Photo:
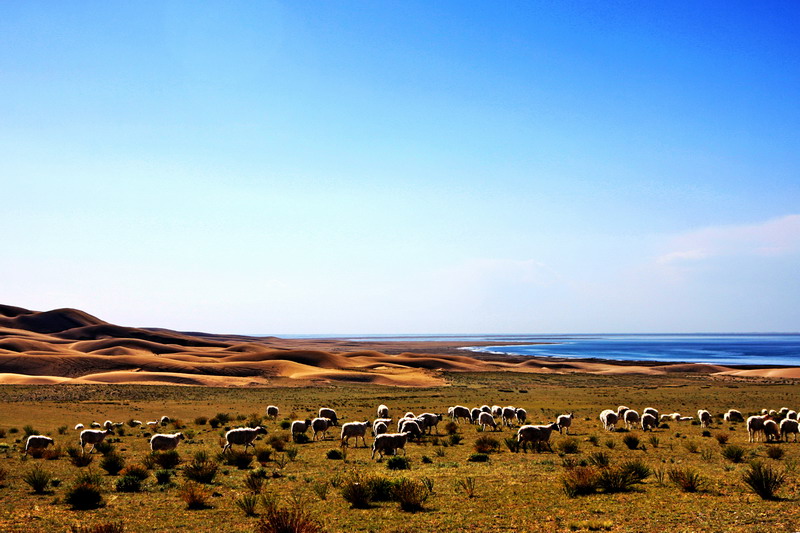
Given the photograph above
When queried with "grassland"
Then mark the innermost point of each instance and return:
(513, 491)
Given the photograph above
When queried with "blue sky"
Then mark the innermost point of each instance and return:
(376, 167)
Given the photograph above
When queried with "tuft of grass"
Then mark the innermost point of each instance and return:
(486, 444)
(320, 488)
(201, 421)
(451, 428)
(167, 459)
(163, 476)
(136, 470)
(631, 441)
(763, 479)
(568, 445)
(38, 479)
(85, 493)
(455, 440)
(611, 444)
(733, 453)
(691, 446)
(129, 483)
(285, 424)
(106, 527)
(580, 481)
(478, 458)
(254, 482)
(512, 444)
(398, 463)
(637, 470)
(238, 458)
(356, 492)
(687, 479)
(29, 430)
(594, 440)
(335, 455)
(248, 504)
(282, 519)
(775, 452)
(654, 441)
(600, 459)
(278, 442)
(194, 495)
(467, 485)
(722, 438)
(112, 463)
(410, 494)
(77, 458)
(201, 471)
(263, 455)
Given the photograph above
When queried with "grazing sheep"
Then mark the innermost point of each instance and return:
(428, 421)
(621, 412)
(782, 411)
(733, 416)
(383, 411)
(409, 415)
(389, 443)
(474, 413)
(95, 425)
(161, 442)
(300, 427)
(773, 413)
(486, 419)
(486, 409)
(108, 424)
(384, 421)
(136, 423)
(704, 417)
(153, 424)
(521, 415)
(410, 426)
(675, 416)
(93, 437)
(37, 442)
(792, 415)
(497, 411)
(320, 426)
(354, 429)
(685, 419)
(771, 430)
(650, 411)
(164, 420)
(78, 426)
(764, 412)
(272, 411)
(379, 428)
(789, 426)
(631, 418)
(648, 421)
(330, 414)
(459, 411)
(564, 422)
(755, 425)
(242, 436)
(609, 419)
(533, 434)
(508, 415)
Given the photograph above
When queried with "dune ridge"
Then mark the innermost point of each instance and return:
(72, 346)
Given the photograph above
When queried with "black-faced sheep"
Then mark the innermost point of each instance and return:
(161, 442)
(242, 436)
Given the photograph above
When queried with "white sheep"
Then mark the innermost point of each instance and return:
(648, 421)
(508, 415)
(428, 421)
(631, 418)
(300, 426)
(773, 413)
(93, 437)
(108, 424)
(242, 436)
(389, 443)
(486, 409)
(755, 425)
(650, 411)
(164, 420)
(771, 430)
(379, 428)
(272, 411)
(534, 434)
(474, 413)
(383, 411)
(521, 415)
(95, 425)
(497, 411)
(486, 419)
(792, 415)
(686, 419)
(789, 426)
(354, 429)
(78, 426)
(37, 442)
(136, 423)
(161, 442)
(330, 414)
(152, 424)
(675, 416)
(320, 426)
(621, 412)
(384, 421)
(564, 422)
(732, 415)
(609, 419)
(782, 411)
(411, 426)
(459, 411)
(704, 417)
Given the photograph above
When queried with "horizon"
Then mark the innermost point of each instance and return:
(379, 167)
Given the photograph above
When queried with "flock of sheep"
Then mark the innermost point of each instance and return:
(769, 425)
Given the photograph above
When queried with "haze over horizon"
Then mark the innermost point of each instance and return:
(290, 168)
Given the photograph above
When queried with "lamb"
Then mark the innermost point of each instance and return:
(389, 443)
(789, 425)
(37, 442)
(241, 436)
(428, 421)
(78, 426)
(521, 416)
(508, 415)
(93, 437)
(564, 422)
(497, 411)
(459, 411)
(771, 430)
(383, 411)
(755, 425)
(330, 414)
(648, 421)
(320, 425)
(631, 418)
(609, 419)
(272, 411)
(704, 417)
(534, 434)
(486, 419)
(733, 416)
(300, 427)
(651, 411)
(354, 429)
(379, 428)
(164, 420)
(161, 442)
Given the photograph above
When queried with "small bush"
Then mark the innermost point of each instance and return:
(568, 445)
(201, 471)
(580, 481)
(263, 455)
(294, 518)
(439, 451)
(356, 493)
(733, 453)
(107, 527)
(320, 489)
(691, 446)
(486, 444)
(129, 483)
(285, 424)
(301, 438)
(29, 430)
(194, 495)
(478, 458)
(85, 492)
(112, 463)
(467, 485)
(62, 430)
(637, 470)
(254, 482)
(611, 444)
(38, 479)
(247, 504)
(77, 458)
(706, 433)
(163, 476)
(763, 479)
(512, 444)
(410, 494)
(278, 442)
(335, 455)
(599, 459)
(775, 452)
(454, 439)
(617, 479)
(238, 458)
(398, 463)
(593, 439)
(201, 421)
(722, 438)
(654, 441)
(451, 428)
(136, 470)
(631, 441)
(291, 452)
(167, 459)
(104, 447)
(426, 460)
(686, 479)
(380, 488)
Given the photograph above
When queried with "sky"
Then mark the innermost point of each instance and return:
(403, 167)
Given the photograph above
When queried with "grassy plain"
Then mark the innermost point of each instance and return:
(514, 491)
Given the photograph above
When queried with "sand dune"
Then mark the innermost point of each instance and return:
(70, 346)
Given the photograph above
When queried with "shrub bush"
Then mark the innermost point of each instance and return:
(410, 494)
(163, 476)
(733, 453)
(201, 421)
(398, 463)
(568, 445)
(451, 428)
(247, 504)
(136, 470)
(580, 481)
(238, 458)
(691, 446)
(201, 471)
(512, 444)
(106, 527)
(454, 439)
(775, 452)
(194, 495)
(467, 485)
(254, 482)
(478, 458)
(278, 442)
(722, 438)
(301, 438)
(112, 463)
(280, 519)
(285, 424)
(263, 455)
(104, 447)
(763, 479)
(129, 483)
(85, 492)
(356, 493)
(631, 441)
(686, 479)
(38, 479)
(486, 444)
(600, 459)
(335, 455)
(78, 458)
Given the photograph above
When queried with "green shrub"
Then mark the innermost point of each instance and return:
(62, 430)
(733, 453)
(468, 485)
(775, 452)
(104, 447)
(636, 469)
(722, 438)
(486, 444)
(167, 459)
(611, 444)
(285, 424)
(129, 483)
(263, 455)
(631, 441)
(301, 438)
(201, 421)
(763, 479)
(78, 458)
(568, 445)
(201, 471)
(380, 488)
(600, 459)
(398, 463)
(136, 470)
(29, 430)
(580, 481)
(654, 441)
(163, 476)
(686, 479)
(38, 479)
(293, 518)
(594, 439)
(410, 494)
(85, 492)
(451, 428)
(254, 482)
(112, 463)
(238, 458)
(320, 488)
(454, 439)
(356, 493)
(247, 504)
(277, 442)
(478, 458)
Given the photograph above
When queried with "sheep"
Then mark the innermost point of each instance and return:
(410, 426)
(651, 411)
(164, 420)
(782, 411)
(486, 419)
(621, 412)
(165, 441)
(508, 415)
(521, 415)
(241, 436)
(409, 415)
(78, 426)
(534, 434)
(389, 443)
(37, 442)
(792, 415)
(459, 411)
(733, 416)
(564, 422)
(773, 413)
(95, 425)
(497, 411)
(330, 414)
(272, 411)
(135, 423)
(93, 437)
(152, 424)
(384, 421)
(486, 409)
(771, 430)
(755, 425)
(609, 419)
(300, 427)
(789, 425)
(704, 417)
(474, 413)
(108, 424)
(383, 411)
(354, 429)
(685, 419)
(648, 421)
(674, 416)
(379, 428)
(320, 425)
(631, 418)
(429, 420)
